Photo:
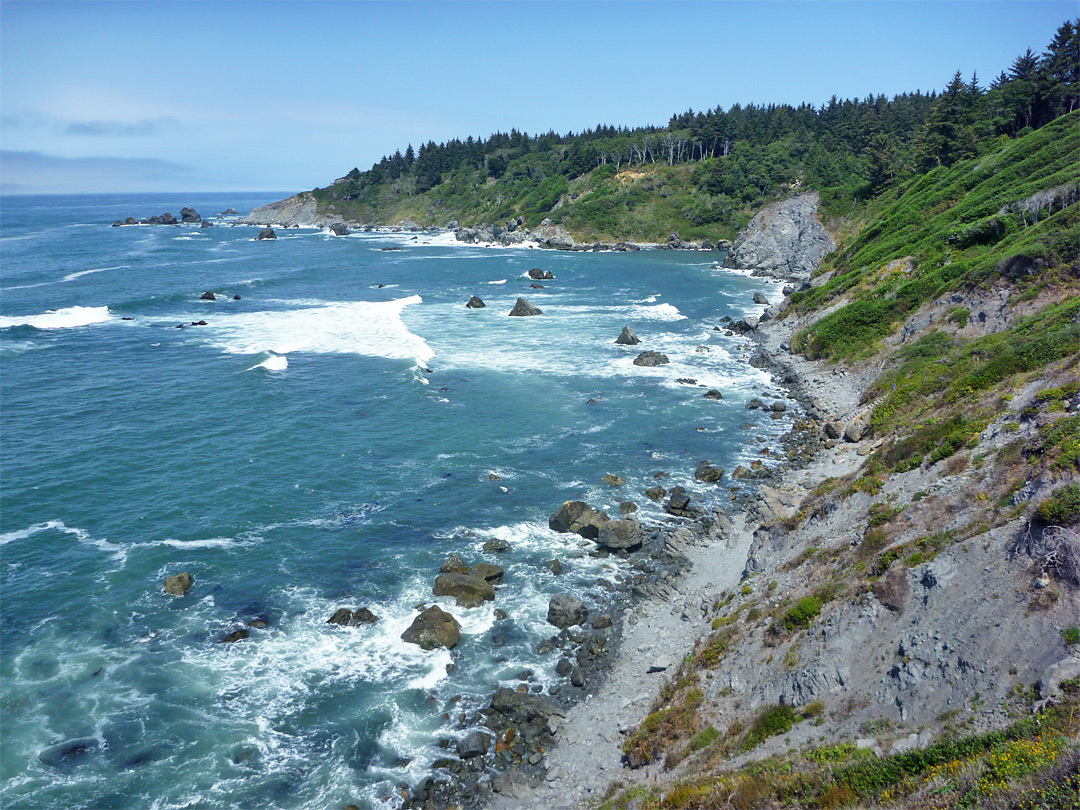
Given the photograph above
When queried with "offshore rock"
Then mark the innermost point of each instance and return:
(179, 584)
(524, 307)
(468, 590)
(266, 233)
(189, 215)
(784, 239)
(650, 359)
(708, 473)
(475, 303)
(352, 618)
(339, 229)
(206, 224)
(627, 337)
(578, 517)
(433, 628)
(536, 274)
(208, 296)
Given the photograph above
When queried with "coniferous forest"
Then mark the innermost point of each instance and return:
(706, 172)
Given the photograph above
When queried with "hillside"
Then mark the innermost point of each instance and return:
(913, 596)
(705, 173)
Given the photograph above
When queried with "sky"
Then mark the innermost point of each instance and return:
(286, 96)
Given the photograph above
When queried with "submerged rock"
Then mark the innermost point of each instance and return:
(234, 636)
(433, 628)
(712, 393)
(524, 307)
(627, 337)
(208, 296)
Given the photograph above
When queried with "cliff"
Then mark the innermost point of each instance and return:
(784, 239)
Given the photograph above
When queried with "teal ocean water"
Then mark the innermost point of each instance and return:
(325, 441)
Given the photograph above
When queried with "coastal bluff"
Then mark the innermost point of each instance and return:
(299, 210)
(784, 239)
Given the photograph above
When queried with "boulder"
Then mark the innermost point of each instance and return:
(473, 745)
(189, 215)
(554, 566)
(467, 590)
(234, 636)
(162, 219)
(656, 493)
(339, 229)
(524, 307)
(206, 224)
(577, 678)
(433, 628)
(117, 224)
(1066, 669)
(784, 238)
(352, 618)
(741, 471)
(536, 274)
(613, 480)
(496, 546)
(475, 303)
(179, 584)
(627, 337)
(712, 393)
(601, 622)
(454, 565)
(523, 709)
(566, 611)
(678, 504)
(207, 296)
(769, 314)
(617, 535)
(778, 406)
(514, 784)
(858, 428)
(489, 572)
(759, 298)
(578, 517)
(834, 430)
(627, 507)
(708, 473)
(755, 404)
(535, 286)
(266, 233)
(236, 298)
(651, 359)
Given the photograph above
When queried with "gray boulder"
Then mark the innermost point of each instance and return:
(858, 428)
(566, 611)
(617, 535)
(206, 224)
(524, 307)
(759, 298)
(488, 572)
(476, 303)
(189, 215)
(454, 565)
(179, 584)
(266, 233)
(496, 546)
(536, 274)
(339, 229)
(712, 393)
(651, 359)
(352, 618)
(523, 709)
(627, 337)
(467, 590)
(473, 745)
(834, 430)
(433, 628)
(578, 517)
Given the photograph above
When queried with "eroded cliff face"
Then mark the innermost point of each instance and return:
(785, 239)
(298, 210)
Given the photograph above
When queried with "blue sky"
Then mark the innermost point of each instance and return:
(234, 96)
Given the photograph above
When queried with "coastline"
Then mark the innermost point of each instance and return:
(664, 628)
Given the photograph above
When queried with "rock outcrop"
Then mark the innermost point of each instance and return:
(651, 359)
(627, 337)
(178, 585)
(433, 628)
(784, 239)
(524, 308)
(189, 215)
(300, 210)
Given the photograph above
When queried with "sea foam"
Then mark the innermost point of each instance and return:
(370, 329)
(65, 318)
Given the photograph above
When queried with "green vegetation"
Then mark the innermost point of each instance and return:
(802, 614)
(1071, 635)
(706, 172)
(1032, 764)
(1062, 508)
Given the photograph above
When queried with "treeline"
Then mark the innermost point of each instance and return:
(847, 148)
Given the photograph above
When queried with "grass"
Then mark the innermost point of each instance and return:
(1062, 508)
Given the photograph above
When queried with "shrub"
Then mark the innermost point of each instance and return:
(1071, 635)
(704, 738)
(1062, 508)
(769, 722)
(802, 613)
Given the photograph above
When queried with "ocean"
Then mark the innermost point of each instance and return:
(325, 440)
